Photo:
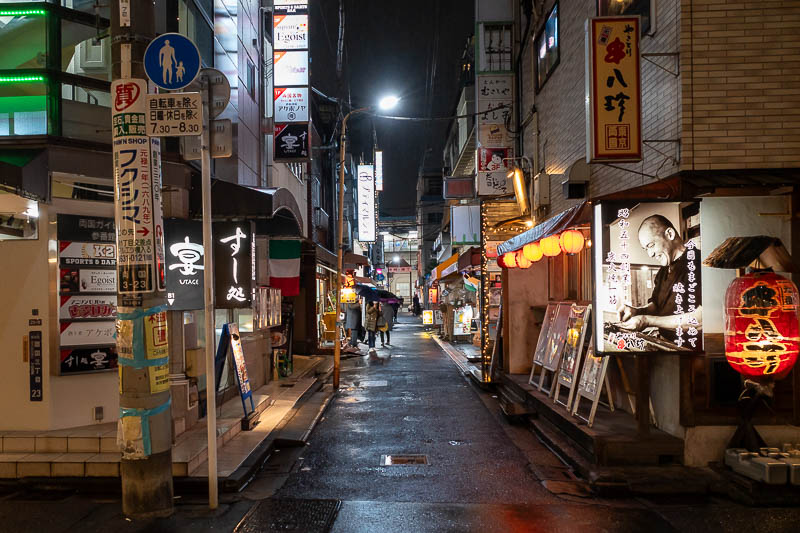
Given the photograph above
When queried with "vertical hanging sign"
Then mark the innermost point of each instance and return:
(133, 188)
(233, 264)
(379, 170)
(613, 90)
(366, 204)
(291, 96)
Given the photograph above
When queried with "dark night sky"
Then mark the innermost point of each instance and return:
(389, 48)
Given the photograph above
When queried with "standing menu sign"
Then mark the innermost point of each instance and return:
(230, 338)
(87, 299)
(647, 277)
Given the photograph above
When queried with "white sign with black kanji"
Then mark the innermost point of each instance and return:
(174, 114)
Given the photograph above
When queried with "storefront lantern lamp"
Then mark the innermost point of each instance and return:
(571, 241)
(762, 334)
(532, 252)
(551, 246)
(522, 261)
(508, 260)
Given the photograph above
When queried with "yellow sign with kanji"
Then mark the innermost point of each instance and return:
(614, 99)
(155, 335)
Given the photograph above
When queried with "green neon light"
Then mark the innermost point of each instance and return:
(22, 12)
(17, 79)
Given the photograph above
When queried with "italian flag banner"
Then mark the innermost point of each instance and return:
(284, 266)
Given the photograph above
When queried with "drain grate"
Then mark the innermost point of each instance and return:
(287, 515)
(408, 459)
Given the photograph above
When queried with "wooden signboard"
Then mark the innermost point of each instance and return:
(556, 338)
(538, 354)
(569, 370)
(590, 386)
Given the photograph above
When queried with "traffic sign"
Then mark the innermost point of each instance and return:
(221, 142)
(174, 114)
(172, 61)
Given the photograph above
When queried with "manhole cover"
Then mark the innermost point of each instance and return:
(282, 515)
(413, 459)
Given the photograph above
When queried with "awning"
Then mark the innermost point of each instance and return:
(355, 259)
(470, 258)
(578, 214)
(364, 281)
(274, 210)
(689, 184)
(446, 267)
(325, 256)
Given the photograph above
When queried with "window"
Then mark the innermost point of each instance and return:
(644, 8)
(24, 41)
(23, 106)
(82, 53)
(546, 47)
(435, 218)
(496, 47)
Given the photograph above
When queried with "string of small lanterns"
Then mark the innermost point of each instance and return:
(569, 242)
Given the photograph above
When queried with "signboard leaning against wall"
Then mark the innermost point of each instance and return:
(647, 277)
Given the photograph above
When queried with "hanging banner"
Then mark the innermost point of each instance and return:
(492, 183)
(647, 278)
(613, 90)
(367, 221)
(133, 187)
(291, 104)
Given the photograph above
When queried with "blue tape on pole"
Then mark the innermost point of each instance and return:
(140, 359)
(145, 415)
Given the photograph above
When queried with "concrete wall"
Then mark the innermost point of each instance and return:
(527, 288)
(704, 444)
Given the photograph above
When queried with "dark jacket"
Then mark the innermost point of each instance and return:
(372, 318)
(353, 316)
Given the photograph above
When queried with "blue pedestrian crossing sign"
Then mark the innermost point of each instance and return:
(172, 61)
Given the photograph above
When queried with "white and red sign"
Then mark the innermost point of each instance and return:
(290, 32)
(83, 307)
(87, 333)
(291, 104)
(133, 187)
(72, 254)
(92, 280)
(290, 67)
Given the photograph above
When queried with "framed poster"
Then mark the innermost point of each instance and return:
(590, 385)
(538, 353)
(557, 337)
(647, 277)
(577, 326)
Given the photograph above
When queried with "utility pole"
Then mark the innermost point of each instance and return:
(145, 415)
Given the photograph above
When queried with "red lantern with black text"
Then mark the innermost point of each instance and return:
(522, 261)
(551, 246)
(571, 241)
(762, 333)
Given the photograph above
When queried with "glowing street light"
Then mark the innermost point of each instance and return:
(388, 102)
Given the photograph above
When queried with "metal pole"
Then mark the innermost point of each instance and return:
(208, 301)
(337, 351)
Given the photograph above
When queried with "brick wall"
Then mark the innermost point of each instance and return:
(740, 64)
(562, 114)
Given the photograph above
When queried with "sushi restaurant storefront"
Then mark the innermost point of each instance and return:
(619, 332)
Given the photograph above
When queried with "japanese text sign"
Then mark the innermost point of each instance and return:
(233, 266)
(185, 264)
(613, 86)
(647, 278)
(291, 104)
(174, 114)
(366, 204)
(133, 181)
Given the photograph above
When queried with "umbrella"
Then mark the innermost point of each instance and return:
(368, 293)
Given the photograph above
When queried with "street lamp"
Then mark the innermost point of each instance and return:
(386, 103)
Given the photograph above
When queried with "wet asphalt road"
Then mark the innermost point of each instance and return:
(484, 475)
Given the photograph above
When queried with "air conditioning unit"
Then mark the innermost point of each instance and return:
(541, 190)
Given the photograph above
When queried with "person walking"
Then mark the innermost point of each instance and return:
(372, 323)
(417, 308)
(353, 322)
(386, 323)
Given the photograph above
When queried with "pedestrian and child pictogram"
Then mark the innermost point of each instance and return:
(172, 61)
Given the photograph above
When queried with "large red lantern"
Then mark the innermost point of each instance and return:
(762, 334)
(571, 241)
(522, 261)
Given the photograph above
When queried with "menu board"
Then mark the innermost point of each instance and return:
(592, 376)
(87, 260)
(538, 355)
(576, 333)
(556, 337)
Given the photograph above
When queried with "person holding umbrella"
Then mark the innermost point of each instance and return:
(372, 323)
(353, 322)
(386, 322)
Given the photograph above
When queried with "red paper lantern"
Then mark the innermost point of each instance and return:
(762, 334)
(551, 246)
(571, 241)
(532, 252)
(508, 260)
(522, 261)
